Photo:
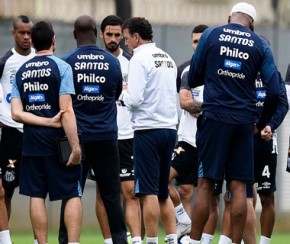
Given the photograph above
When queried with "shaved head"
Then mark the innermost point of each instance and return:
(85, 30)
(85, 23)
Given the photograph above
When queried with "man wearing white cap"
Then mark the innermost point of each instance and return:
(227, 61)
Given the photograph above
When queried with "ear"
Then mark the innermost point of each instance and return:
(252, 25)
(229, 19)
(102, 35)
(53, 43)
(75, 34)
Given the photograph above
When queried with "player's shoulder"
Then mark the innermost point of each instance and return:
(6, 56)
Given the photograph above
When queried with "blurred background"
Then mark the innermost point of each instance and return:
(173, 21)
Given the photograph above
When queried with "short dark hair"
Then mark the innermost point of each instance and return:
(111, 20)
(199, 29)
(23, 18)
(139, 25)
(41, 35)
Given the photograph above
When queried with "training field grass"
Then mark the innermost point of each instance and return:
(90, 236)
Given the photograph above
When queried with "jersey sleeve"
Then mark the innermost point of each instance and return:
(67, 84)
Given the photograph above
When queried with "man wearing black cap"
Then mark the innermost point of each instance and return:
(227, 61)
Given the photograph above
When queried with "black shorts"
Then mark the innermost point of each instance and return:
(10, 156)
(218, 187)
(265, 171)
(126, 159)
(185, 162)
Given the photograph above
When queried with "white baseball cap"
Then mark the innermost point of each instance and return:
(245, 8)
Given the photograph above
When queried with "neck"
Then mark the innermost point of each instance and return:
(116, 53)
(44, 52)
(23, 52)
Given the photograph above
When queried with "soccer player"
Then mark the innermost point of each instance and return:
(41, 100)
(98, 83)
(227, 61)
(12, 132)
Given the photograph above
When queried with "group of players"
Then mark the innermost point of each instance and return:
(111, 140)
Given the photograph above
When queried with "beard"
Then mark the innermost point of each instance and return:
(112, 46)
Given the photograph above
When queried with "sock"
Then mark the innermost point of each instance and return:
(181, 215)
(108, 241)
(136, 240)
(191, 241)
(206, 238)
(35, 241)
(224, 240)
(152, 240)
(265, 240)
(171, 239)
(5, 237)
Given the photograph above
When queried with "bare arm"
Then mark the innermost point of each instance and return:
(21, 116)
(188, 103)
(70, 127)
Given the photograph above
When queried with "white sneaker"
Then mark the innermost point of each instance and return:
(184, 239)
(182, 229)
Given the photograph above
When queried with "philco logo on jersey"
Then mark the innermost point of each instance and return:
(234, 52)
(260, 94)
(38, 97)
(91, 89)
(35, 86)
(232, 64)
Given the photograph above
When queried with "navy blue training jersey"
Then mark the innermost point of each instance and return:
(279, 114)
(282, 106)
(39, 83)
(227, 61)
(98, 84)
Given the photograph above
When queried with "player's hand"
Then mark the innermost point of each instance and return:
(195, 115)
(75, 157)
(266, 133)
(55, 121)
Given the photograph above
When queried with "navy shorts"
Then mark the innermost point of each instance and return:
(126, 159)
(265, 171)
(10, 156)
(184, 161)
(249, 190)
(42, 175)
(152, 150)
(225, 150)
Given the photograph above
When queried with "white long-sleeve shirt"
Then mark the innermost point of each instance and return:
(151, 93)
